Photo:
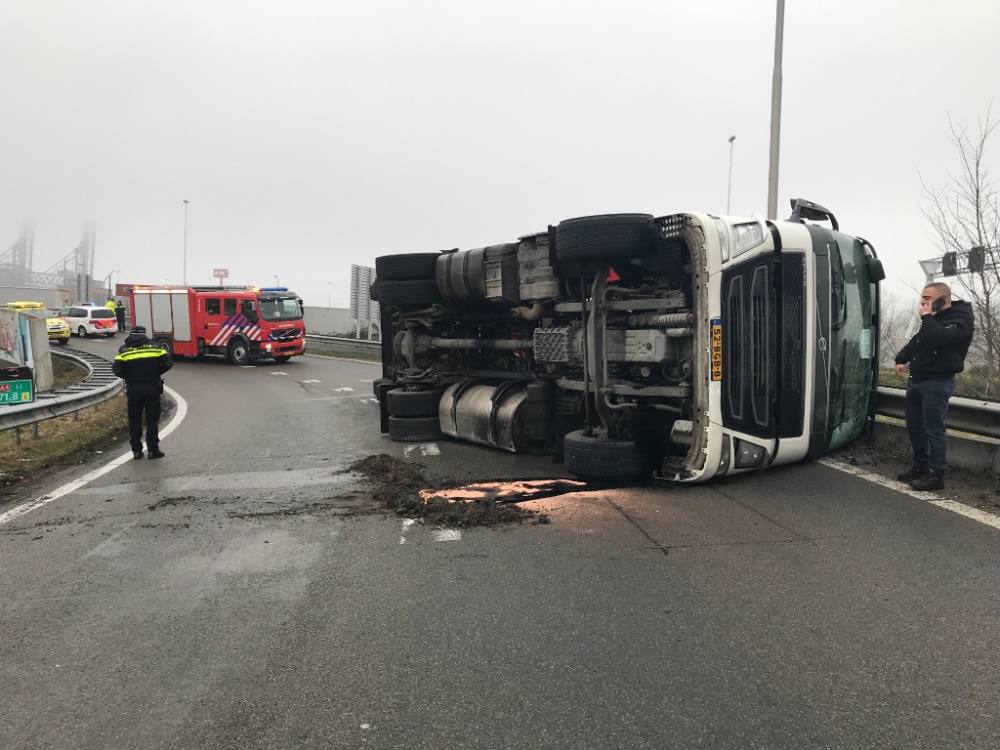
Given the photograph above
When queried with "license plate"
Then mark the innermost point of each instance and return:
(717, 349)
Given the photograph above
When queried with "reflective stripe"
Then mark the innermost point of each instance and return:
(140, 354)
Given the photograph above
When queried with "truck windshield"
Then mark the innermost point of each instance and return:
(279, 308)
(852, 374)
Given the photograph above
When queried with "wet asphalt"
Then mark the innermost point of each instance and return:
(242, 593)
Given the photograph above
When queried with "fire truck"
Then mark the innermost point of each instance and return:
(240, 323)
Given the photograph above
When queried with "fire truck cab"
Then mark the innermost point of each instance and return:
(242, 324)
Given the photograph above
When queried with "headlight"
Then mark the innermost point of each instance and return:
(748, 236)
(748, 455)
(723, 238)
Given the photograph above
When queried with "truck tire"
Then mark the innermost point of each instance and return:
(609, 237)
(414, 429)
(239, 352)
(414, 403)
(164, 343)
(406, 267)
(413, 293)
(599, 457)
(379, 381)
(373, 291)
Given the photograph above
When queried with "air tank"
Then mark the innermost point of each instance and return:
(501, 416)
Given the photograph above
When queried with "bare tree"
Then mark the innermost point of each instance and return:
(894, 321)
(965, 219)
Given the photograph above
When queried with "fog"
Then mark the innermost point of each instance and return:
(310, 136)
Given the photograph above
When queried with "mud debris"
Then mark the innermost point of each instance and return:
(170, 501)
(403, 487)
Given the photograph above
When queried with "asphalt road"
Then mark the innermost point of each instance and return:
(236, 595)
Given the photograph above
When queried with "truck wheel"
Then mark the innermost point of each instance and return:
(164, 343)
(239, 353)
(599, 457)
(281, 360)
(414, 429)
(609, 237)
(414, 403)
(378, 382)
(406, 267)
(413, 293)
(373, 291)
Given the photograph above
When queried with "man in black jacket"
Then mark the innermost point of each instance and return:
(935, 354)
(141, 363)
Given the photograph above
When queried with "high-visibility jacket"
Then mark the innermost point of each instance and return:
(110, 304)
(141, 364)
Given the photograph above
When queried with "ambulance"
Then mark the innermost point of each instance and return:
(240, 323)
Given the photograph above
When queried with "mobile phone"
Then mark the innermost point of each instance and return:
(937, 304)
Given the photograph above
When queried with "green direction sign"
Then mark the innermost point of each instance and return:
(16, 392)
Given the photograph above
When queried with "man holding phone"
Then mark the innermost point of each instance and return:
(935, 354)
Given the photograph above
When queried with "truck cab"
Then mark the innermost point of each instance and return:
(684, 346)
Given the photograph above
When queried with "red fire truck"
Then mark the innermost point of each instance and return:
(240, 323)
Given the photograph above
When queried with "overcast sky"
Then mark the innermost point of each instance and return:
(311, 135)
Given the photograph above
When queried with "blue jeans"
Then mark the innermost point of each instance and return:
(926, 407)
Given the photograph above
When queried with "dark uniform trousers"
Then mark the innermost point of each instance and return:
(144, 398)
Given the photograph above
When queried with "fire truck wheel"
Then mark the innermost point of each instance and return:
(414, 403)
(406, 267)
(414, 429)
(610, 237)
(281, 360)
(239, 353)
(599, 457)
(164, 343)
(413, 293)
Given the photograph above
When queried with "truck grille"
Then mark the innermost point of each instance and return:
(287, 335)
(760, 368)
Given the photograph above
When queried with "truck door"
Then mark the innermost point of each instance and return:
(212, 320)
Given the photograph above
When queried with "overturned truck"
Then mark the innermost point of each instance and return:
(684, 347)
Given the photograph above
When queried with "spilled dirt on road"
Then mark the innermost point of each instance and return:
(403, 487)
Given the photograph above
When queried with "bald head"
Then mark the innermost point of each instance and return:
(938, 289)
(931, 293)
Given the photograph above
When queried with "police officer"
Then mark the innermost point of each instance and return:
(120, 315)
(141, 363)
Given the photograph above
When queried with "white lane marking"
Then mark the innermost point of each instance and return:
(367, 381)
(407, 523)
(279, 373)
(447, 535)
(930, 497)
(76, 484)
(369, 400)
(310, 381)
(343, 390)
(426, 449)
(363, 726)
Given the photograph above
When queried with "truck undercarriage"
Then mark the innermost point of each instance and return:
(587, 342)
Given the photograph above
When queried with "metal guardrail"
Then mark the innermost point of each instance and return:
(339, 345)
(100, 385)
(964, 414)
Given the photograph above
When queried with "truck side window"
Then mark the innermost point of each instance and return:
(229, 307)
(212, 306)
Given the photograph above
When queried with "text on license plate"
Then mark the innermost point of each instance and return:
(716, 348)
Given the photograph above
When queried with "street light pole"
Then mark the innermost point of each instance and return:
(772, 172)
(185, 277)
(276, 282)
(729, 191)
(329, 293)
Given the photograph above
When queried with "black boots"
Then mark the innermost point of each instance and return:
(156, 454)
(913, 473)
(932, 480)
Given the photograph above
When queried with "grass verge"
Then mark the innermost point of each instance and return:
(62, 442)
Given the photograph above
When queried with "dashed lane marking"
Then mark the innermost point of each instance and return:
(310, 381)
(407, 523)
(279, 373)
(426, 449)
(76, 484)
(369, 400)
(447, 535)
(930, 497)
(343, 390)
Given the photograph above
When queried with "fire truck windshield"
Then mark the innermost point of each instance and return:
(279, 308)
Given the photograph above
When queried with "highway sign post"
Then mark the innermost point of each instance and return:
(220, 273)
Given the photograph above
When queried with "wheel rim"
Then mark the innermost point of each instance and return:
(239, 353)
(81, 331)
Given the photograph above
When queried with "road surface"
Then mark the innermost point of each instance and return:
(237, 595)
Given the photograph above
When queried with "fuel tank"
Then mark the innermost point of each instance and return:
(508, 416)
